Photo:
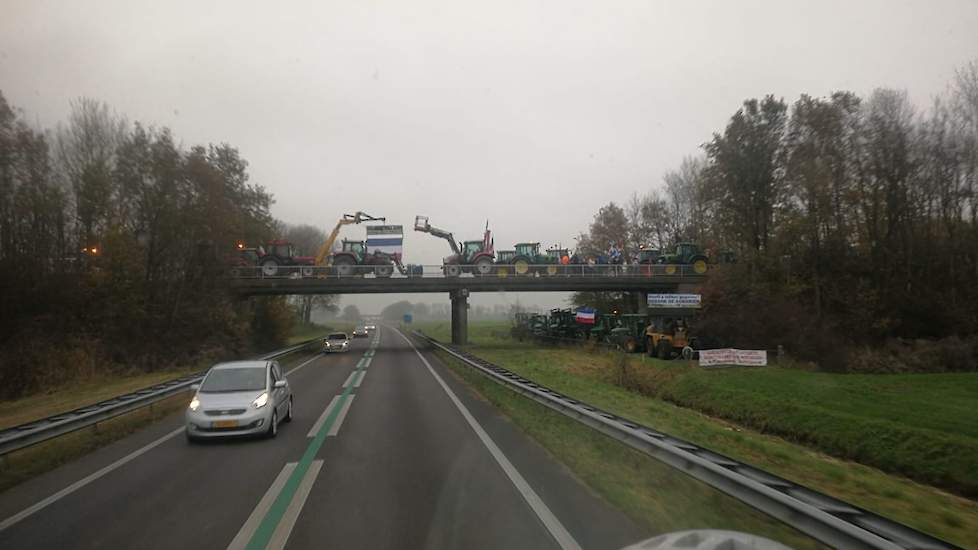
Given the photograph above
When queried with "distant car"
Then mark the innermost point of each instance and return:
(239, 398)
(338, 341)
(371, 328)
(360, 332)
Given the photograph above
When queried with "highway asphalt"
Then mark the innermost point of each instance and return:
(388, 449)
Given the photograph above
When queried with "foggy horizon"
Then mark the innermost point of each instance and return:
(530, 117)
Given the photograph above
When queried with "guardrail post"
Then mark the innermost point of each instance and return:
(460, 316)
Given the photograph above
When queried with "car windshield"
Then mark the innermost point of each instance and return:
(337, 336)
(234, 379)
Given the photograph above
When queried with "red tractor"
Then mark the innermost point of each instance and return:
(280, 259)
(472, 257)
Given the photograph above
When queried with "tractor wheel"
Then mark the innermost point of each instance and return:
(664, 349)
(551, 270)
(649, 347)
(270, 267)
(687, 353)
(699, 266)
(671, 269)
(630, 345)
(452, 270)
(521, 266)
(483, 266)
(306, 271)
(345, 266)
(384, 271)
(502, 271)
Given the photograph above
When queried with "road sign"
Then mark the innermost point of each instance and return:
(407, 317)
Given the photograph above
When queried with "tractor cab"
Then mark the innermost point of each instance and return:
(357, 248)
(649, 255)
(281, 248)
(470, 249)
(556, 255)
(530, 250)
(686, 251)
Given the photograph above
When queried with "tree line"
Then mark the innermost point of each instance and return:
(855, 220)
(113, 239)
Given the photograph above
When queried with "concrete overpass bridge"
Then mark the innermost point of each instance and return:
(304, 280)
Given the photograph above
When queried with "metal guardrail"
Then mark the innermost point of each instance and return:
(31, 433)
(643, 271)
(828, 520)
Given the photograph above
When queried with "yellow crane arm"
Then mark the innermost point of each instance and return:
(347, 219)
(328, 244)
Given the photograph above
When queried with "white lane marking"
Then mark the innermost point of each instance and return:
(322, 417)
(285, 525)
(303, 364)
(258, 514)
(335, 428)
(44, 503)
(86, 480)
(349, 379)
(549, 520)
(363, 373)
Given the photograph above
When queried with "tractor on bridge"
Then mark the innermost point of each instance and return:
(475, 256)
(528, 260)
(356, 253)
(355, 258)
(280, 259)
(686, 254)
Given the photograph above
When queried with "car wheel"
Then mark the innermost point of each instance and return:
(288, 415)
(273, 427)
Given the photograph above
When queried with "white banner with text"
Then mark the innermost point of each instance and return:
(674, 300)
(730, 356)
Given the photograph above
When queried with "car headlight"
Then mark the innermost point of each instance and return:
(194, 403)
(261, 400)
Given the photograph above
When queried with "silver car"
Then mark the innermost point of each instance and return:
(338, 341)
(240, 398)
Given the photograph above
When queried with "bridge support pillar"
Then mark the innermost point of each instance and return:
(460, 316)
(641, 302)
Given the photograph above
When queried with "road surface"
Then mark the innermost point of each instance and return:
(388, 449)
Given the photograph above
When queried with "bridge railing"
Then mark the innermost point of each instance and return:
(644, 271)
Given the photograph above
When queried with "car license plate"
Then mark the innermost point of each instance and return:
(224, 424)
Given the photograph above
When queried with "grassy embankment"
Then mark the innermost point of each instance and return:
(858, 412)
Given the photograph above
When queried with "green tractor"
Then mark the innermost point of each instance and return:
(563, 324)
(629, 332)
(538, 325)
(529, 260)
(685, 254)
(600, 331)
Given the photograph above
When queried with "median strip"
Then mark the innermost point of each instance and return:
(281, 515)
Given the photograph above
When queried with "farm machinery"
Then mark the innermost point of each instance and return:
(380, 254)
(665, 337)
(474, 256)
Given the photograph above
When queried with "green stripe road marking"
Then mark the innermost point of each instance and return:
(266, 529)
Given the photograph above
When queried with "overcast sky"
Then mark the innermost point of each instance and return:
(528, 114)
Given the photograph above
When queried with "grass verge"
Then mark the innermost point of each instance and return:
(591, 377)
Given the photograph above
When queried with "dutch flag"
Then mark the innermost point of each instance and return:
(585, 316)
